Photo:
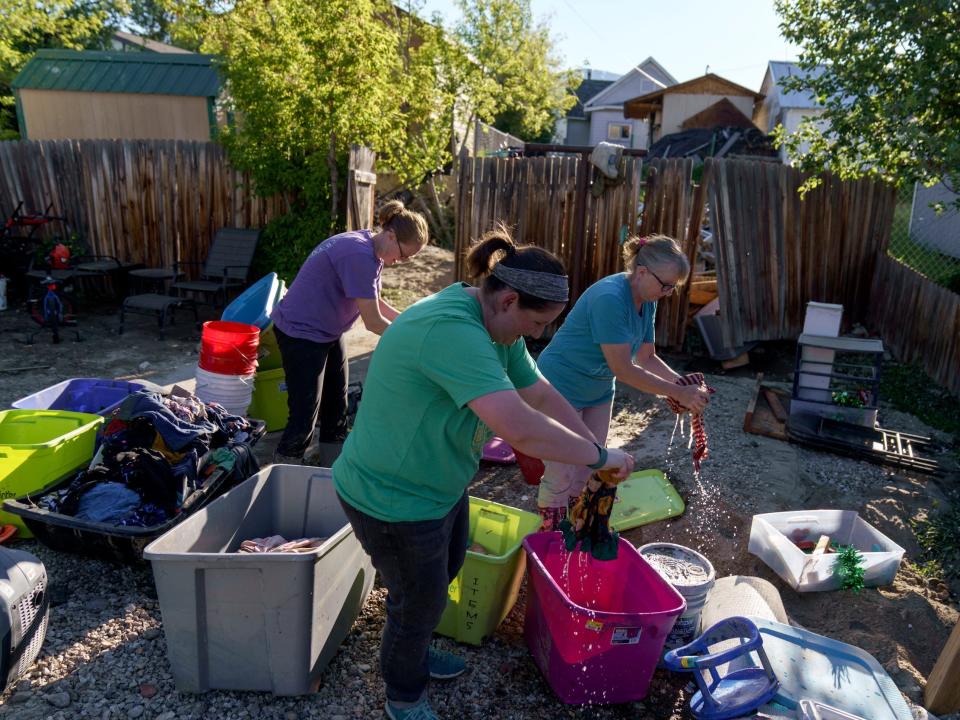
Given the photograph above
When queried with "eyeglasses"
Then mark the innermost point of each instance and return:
(664, 287)
(400, 248)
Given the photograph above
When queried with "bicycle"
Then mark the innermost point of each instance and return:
(52, 311)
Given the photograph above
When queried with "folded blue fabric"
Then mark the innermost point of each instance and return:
(108, 502)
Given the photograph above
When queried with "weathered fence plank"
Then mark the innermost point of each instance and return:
(142, 201)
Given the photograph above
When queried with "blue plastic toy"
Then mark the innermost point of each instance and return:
(736, 694)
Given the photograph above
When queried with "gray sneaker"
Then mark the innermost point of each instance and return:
(327, 453)
(279, 459)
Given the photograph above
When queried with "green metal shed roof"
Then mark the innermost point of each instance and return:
(120, 72)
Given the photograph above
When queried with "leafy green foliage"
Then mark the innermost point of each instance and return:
(30, 25)
(512, 72)
(889, 88)
(287, 240)
(848, 567)
(910, 389)
(178, 22)
(939, 536)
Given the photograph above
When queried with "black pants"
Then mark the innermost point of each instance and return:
(417, 561)
(317, 376)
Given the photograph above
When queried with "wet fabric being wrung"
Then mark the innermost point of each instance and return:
(588, 522)
(698, 430)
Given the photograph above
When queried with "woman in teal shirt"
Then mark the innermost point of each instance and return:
(609, 336)
(447, 372)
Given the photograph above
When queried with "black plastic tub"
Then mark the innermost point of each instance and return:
(114, 543)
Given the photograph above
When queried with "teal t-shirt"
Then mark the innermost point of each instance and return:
(415, 445)
(604, 315)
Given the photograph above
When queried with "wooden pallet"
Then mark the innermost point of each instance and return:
(767, 411)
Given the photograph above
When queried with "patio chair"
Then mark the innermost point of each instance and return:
(226, 267)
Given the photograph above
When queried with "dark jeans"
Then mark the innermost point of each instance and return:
(317, 376)
(417, 562)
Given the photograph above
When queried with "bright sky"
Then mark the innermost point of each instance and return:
(736, 39)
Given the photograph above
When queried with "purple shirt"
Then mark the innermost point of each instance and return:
(321, 305)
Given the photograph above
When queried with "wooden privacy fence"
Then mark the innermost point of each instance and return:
(547, 201)
(673, 206)
(153, 202)
(361, 188)
(918, 320)
(776, 252)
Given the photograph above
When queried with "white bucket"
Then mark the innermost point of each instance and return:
(692, 575)
(234, 392)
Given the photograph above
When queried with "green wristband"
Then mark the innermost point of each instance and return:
(602, 460)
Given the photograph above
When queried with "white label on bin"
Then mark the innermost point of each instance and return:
(626, 636)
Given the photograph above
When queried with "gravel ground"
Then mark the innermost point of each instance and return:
(105, 654)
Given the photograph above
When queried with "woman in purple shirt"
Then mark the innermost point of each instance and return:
(339, 282)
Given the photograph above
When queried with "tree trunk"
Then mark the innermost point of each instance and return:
(440, 214)
(334, 181)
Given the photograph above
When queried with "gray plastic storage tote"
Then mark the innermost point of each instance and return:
(264, 621)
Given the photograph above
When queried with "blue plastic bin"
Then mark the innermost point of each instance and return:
(254, 306)
(86, 395)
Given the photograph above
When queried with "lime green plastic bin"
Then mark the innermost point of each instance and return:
(37, 448)
(268, 351)
(269, 401)
(486, 588)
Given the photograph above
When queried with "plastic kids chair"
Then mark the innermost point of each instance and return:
(736, 694)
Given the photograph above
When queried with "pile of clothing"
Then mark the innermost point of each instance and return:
(157, 455)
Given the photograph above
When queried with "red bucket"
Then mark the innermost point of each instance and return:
(229, 348)
(531, 467)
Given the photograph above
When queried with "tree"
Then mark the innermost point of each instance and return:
(29, 25)
(889, 86)
(178, 22)
(306, 80)
(510, 69)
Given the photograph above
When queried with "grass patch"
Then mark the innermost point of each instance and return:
(941, 269)
(910, 389)
(939, 536)
(400, 298)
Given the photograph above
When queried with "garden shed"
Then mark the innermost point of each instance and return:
(70, 94)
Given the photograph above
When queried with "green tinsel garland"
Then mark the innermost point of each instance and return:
(849, 567)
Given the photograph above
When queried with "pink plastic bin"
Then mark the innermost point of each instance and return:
(597, 630)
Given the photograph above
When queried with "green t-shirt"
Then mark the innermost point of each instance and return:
(416, 445)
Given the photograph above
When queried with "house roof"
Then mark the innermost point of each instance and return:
(120, 72)
(798, 99)
(638, 70)
(126, 38)
(584, 92)
(722, 113)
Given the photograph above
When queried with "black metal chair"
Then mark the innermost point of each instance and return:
(226, 267)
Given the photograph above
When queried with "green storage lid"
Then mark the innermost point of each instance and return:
(645, 497)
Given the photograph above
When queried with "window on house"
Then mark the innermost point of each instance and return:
(619, 131)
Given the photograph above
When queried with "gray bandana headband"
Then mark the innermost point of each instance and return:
(545, 286)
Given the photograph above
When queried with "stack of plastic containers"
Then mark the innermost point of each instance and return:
(255, 306)
(228, 362)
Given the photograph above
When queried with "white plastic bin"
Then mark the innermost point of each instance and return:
(266, 621)
(772, 538)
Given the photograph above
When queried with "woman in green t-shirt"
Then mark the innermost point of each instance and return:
(447, 372)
